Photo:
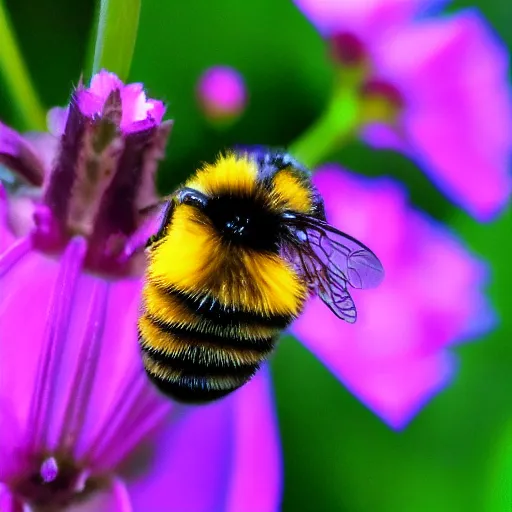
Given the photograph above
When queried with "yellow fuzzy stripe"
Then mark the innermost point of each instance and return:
(173, 375)
(166, 308)
(292, 192)
(171, 345)
(227, 174)
(193, 259)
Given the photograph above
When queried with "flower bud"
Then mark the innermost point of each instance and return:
(221, 94)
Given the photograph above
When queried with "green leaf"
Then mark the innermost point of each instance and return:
(282, 58)
(500, 488)
(115, 36)
(18, 84)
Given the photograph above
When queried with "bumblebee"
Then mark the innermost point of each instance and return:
(240, 248)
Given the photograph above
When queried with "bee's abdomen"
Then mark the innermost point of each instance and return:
(211, 310)
(204, 360)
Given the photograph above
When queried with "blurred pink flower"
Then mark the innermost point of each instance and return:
(397, 354)
(82, 427)
(454, 114)
(221, 93)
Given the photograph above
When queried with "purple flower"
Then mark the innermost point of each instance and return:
(82, 427)
(221, 93)
(397, 354)
(434, 88)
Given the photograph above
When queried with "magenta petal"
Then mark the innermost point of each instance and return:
(256, 482)
(19, 385)
(157, 110)
(365, 18)
(459, 128)
(135, 107)
(114, 498)
(120, 390)
(11, 459)
(18, 154)
(192, 465)
(220, 457)
(8, 502)
(221, 90)
(103, 83)
(6, 234)
(394, 386)
(138, 112)
(56, 120)
(383, 136)
(90, 104)
(397, 354)
(91, 100)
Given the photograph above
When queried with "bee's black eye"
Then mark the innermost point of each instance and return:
(191, 197)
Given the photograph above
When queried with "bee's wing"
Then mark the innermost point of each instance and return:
(329, 260)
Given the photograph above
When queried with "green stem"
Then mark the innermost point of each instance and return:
(115, 36)
(15, 74)
(336, 125)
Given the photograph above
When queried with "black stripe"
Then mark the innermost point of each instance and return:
(193, 363)
(187, 391)
(210, 309)
(192, 335)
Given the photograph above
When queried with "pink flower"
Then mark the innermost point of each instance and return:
(221, 93)
(397, 354)
(82, 427)
(450, 76)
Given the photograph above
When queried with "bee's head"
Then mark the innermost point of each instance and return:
(240, 220)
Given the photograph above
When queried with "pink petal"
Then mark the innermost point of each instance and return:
(221, 91)
(191, 463)
(11, 440)
(6, 234)
(56, 120)
(396, 356)
(46, 146)
(91, 100)
(256, 482)
(458, 127)
(90, 104)
(8, 502)
(138, 112)
(135, 107)
(20, 209)
(114, 498)
(383, 136)
(120, 391)
(156, 110)
(103, 83)
(395, 386)
(219, 457)
(18, 385)
(368, 18)
(18, 154)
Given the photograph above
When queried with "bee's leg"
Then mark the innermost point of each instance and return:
(169, 208)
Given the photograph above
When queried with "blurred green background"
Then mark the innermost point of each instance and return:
(457, 453)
